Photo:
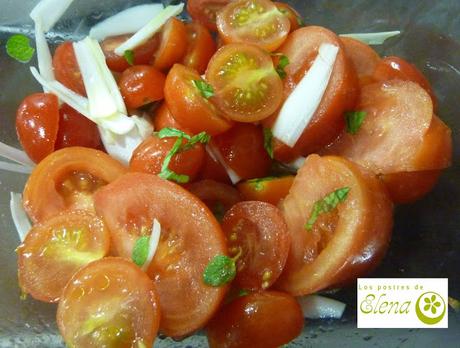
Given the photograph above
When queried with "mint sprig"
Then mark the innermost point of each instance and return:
(205, 88)
(129, 56)
(18, 47)
(354, 121)
(282, 64)
(140, 250)
(268, 141)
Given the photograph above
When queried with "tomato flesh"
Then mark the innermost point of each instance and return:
(201, 47)
(294, 17)
(205, 11)
(163, 118)
(66, 68)
(173, 45)
(270, 190)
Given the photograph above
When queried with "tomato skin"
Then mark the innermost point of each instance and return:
(204, 11)
(265, 319)
(270, 190)
(242, 148)
(213, 170)
(173, 45)
(294, 17)
(66, 68)
(201, 47)
(140, 85)
(163, 118)
(37, 122)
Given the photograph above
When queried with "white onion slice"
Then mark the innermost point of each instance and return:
(302, 103)
(18, 156)
(153, 244)
(125, 22)
(297, 163)
(48, 12)
(45, 61)
(320, 307)
(217, 156)
(20, 219)
(15, 168)
(148, 30)
(373, 38)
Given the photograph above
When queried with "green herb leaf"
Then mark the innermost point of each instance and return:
(167, 173)
(202, 138)
(259, 183)
(327, 204)
(300, 21)
(140, 250)
(268, 141)
(172, 132)
(219, 211)
(129, 56)
(205, 89)
(18, 47)
(220, 271)
(354, 120)
(282, 63)
(243, 292)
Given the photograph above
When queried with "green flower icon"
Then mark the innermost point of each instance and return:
(430, 308)
(431, 304)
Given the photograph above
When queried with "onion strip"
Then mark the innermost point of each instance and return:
(20, 219)
(15, 168)
(373, 38)
(18, 156)
(217, 156)
(153, 244)
(320, 307)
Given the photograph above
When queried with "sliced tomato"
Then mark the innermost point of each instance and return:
(200, 47)
(255, 22)
(66, 180)
(271, 190)
(257, 232)
(205, 11)
(173, 45)
(213, 170)
(246, 85)
(242, 148)
(294, 17)
(66, 68)
(188, 106)
(266, 319)
(109, 303)
(342, 244)
(163, 118)
(140, 85)
(54, 250)
(37, 122)
(190, 238)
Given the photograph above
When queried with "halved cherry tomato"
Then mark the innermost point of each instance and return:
(213, 170)
(200, 47)
(190, 238)
(294, 17)
(142, 54)
(109, 303)
(149, 156)
(258, 233)
(141, 85)
(266, 319)
(242, 148)
(246, 85)
(54, 250)
(173, 45)
(76, 130)
(256, 22)
(344, 243)
(271, 190)
(37, 122)
(66, 179)
(205, 11)
(163, 118)
(66, 68)
(188, 106)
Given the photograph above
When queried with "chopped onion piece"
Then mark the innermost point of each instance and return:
(302, 103)
(125, 22)
(297, 163)
(148, 30)
(373, 38)
(45, 61)
(15, 168)
(153, 244)
(216, 155)
(15, 155)
(20, 219)
(320, 307)
(48, 12)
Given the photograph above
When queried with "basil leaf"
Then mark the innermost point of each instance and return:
(205, 89)
(168, 174)
(354, 120)
(259, 184)
(202, 138)
(129, 56)
(220, 271)
(171, 132)
(140, 250)
(282, 63)
(268, 141)
(18, 47)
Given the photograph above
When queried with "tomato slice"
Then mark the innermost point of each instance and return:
(213, 170)
(66, 68)
(54, 250)
(200, 47)
(344, 243)
(294, 17)
(193, 111)
(109, 303)
(205, 11)
(271, 190)
(259, 232)
(266, 319)
(37, 122)
(190, 238)
(163, 118)
(173, 45)
(66, 180)
(246, 85)
(256, 22)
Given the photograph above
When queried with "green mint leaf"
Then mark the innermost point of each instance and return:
(220, 271)
(140, 250)
(205, 89)
(18, 47)
(168, 174)
(129, 56)
(327, 204)
(268, 141)
(259, 183)
(202, 138)
(172, 132)
(282, 63)
(354, 120)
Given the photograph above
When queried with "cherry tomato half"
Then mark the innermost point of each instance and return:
(270, 190)
(205, 11)
(294, 17)
(163, 118)
(213, 170)
(200, 48)
(66, 68)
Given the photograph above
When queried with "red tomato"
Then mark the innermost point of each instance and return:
(256, 22)
(200, 47)
(163, 118)
(246, 85)
(213, 170)
(76, 130)
(109, 303)
(141, 85)
(54, 250)
(37, 122)
(258, 231)
(173, 45)
(190, 238)
(343, 244)
(294, 17)
(242, 148)
(195, 112)
(205, 11)
(266, 319)
(66, 68)
(271, 190)
(142, 54)
(66, 180)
